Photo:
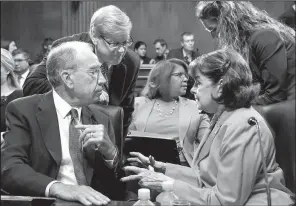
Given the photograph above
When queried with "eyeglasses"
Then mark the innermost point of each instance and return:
(116, 45)
(180, 75)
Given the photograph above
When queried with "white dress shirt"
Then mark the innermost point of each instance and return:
(66, 173)
(23, 78)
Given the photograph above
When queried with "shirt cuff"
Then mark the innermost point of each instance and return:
(110, 163)
(48, 187)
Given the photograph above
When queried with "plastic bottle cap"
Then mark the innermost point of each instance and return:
(144, 193)
(167, 186)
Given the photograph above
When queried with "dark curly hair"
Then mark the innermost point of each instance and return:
(237, 90)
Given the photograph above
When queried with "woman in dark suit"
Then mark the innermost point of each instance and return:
(267, 44)
(236, 153)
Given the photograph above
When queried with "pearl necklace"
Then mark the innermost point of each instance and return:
(161, 112)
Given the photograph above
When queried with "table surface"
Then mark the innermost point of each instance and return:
(24, 200)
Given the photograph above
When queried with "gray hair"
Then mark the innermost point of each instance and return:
(8, 63)
(62, 58)
(110, 20)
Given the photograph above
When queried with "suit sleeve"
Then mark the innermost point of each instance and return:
(17, 176)
(270, 56)
(129, 100)
(237, 171)
(37, 82)
(202, 127)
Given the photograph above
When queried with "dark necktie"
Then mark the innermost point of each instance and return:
(104, 70)
(75, 149)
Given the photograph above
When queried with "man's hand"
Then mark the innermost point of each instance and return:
(95, 136)
(83, 194)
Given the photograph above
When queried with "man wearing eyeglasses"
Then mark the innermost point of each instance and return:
(109, 34)
(22, 66)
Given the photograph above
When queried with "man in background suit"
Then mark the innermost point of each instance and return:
(109, 34)
(186, 53)
(55, 142)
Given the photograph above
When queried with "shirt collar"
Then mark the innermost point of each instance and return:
(184, 54)
(62, 107)
(24, 75)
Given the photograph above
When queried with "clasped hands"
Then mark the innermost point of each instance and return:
(141, 166)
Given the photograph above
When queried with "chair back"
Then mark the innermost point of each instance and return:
(281, 120)
(115, 113)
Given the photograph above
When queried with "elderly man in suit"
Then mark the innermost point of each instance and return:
(55, 142)
(109, 34)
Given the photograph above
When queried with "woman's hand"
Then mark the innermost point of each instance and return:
(149, 179)
(140, 160)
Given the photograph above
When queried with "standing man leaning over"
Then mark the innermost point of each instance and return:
(186, 53)
(55, 140)
(109, 34)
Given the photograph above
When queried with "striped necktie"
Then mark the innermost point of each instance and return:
(76, 150)
(104, 70)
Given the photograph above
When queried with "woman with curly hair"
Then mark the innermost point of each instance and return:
(234, 162)
(267, 44)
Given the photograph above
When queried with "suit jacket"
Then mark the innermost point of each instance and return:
(230, 171)
(31, 155)
(272, 62)
(178, 53)
(192, 124)
(288, 18)
(121, 84)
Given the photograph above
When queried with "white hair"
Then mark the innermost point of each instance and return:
(110, 20)
(63, 57)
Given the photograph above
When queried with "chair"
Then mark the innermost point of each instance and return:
(281, 120)
(115, 113)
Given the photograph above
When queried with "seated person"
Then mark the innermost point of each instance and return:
(141, 49)
(161, 109)
(54, 140)
(10, 89)
(227, 167)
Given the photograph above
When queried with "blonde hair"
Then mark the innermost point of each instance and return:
(8, 63)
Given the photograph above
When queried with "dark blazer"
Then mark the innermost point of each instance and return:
(178, 53)
(272, 62)
(31, 154)
(121, 85)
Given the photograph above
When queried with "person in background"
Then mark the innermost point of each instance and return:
(160, 49)
(227, 165)
(187, 54)
(162, 110)
(56, 144)
(141, 49)
(22, 61)
(266, 44)
(109, 34)
(45, 49)
(10, 89)
(288, 17)
(8, 45)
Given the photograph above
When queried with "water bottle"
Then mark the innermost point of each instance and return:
(144, 198)
(167, 197)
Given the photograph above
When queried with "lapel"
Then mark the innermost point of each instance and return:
(144, 114)
(115, 85)
(49, 127)
(205, 145)
(184, 119)
(88, 118)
